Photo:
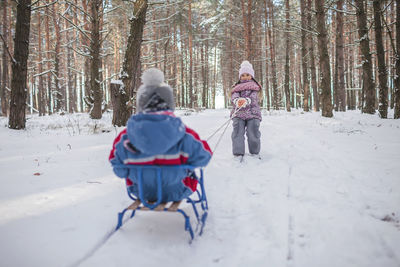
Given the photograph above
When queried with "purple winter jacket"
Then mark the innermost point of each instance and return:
(249, 89)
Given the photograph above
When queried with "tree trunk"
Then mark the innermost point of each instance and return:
(95, 62)
(70, 80)
(340, 88)
(183, 102)
(57, 94)
(271, 37)
(19, 66)
(203, 77)
(306, 83)
(312, 58)
(266, 56)
(42, 102)
(131, 65)
(246, 14)
(397, 66)
(368, 82)
(174, 69)
(119, 98)
(287, 61)
(48, 56)
(392, 55)
(351, 100)
(4, 84)
(88, 99)
(383, 89)
(191, 96)
(215, 78)
(324, 60)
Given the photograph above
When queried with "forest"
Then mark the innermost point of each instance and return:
(67, 56)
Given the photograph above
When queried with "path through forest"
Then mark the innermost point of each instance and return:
(325, 193)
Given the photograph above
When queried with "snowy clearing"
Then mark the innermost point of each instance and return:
(325, 193)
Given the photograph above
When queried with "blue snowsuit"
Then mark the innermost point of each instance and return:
(159, 138)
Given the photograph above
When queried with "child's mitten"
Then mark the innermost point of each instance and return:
(241, 102)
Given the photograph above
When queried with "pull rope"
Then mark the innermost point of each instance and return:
(226, 124)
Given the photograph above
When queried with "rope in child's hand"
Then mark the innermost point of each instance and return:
(226, 127)
(231, 117)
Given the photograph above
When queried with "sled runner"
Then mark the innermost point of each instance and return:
(197, 199)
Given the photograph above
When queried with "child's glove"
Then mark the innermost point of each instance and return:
(242, 102)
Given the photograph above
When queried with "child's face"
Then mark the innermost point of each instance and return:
(245, 77)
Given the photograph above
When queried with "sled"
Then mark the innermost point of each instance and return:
(197, 199)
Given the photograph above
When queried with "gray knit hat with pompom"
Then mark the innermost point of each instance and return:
(153, 84)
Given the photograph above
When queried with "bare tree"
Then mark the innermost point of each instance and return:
(339, 83)
(383, 89)
(131, 66)
(19, 66)
(192, 98)
(312, 59)
(95, 63)
(3, 89)
(324, 60)
(267, 36)
(368, 82)
(271, 38)
(48, 56)
(306, 83)
(57, 94)
(287, 60)
(42, 102)
(246, 13)
(397, 77)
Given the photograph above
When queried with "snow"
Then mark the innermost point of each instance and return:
(325, 193)
(117, 82)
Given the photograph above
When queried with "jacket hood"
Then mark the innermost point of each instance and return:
(154, 133)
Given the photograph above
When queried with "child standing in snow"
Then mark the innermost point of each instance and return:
(154, 136)
(245, 96)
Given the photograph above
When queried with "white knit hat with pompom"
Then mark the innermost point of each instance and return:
(246, 67)
(153, 83)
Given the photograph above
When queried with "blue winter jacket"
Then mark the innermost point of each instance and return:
(159, 139)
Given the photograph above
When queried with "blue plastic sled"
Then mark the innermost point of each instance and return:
(198, 198)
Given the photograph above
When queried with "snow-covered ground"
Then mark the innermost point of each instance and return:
(325, 193)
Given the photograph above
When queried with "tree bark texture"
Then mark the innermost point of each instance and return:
(266, 56)
(368, 82)
(48, 56)
(380, 50)
(397, 66)
(287, 60)
(326, 95)
(95, 64)
(42, 102)
(58, 97)
(119, 98)
(191, 95)
(312, 58)
(247, 23)
(306, 83)
(19, 66)
(131, 65)
(5, 82)
(271, 38)
(340, 86)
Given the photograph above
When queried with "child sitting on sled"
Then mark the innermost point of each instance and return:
(154, 136)
(245, 97)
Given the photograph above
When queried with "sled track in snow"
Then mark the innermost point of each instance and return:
(290, 238)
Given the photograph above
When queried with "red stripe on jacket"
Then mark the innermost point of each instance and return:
(176, 161)
(196, 137)
(116, 141)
